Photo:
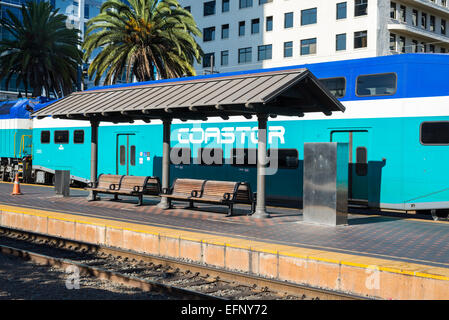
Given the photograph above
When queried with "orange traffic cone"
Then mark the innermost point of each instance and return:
(16, 190)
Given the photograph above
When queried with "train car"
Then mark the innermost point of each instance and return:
(396, 124)
(16, 128)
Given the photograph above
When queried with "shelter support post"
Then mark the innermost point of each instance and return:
(164, 204)
(260, 211)
(93, 155)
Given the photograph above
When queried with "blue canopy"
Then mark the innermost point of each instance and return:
(22, 108)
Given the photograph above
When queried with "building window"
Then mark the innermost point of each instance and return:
(255, 26)
(188, 8)
(431, 48)
(308, 16)
(288, 49)
(264, 52)
(308, 46)
(245, 55)
(78, 136)
(269, 24)
(225, 31)
(209, 60)
(288, 20)
(423, 20)
(241, 28)
(392, 42)
(360, 8)
(245, 4)
(402, 44)
(45, 137)
(86, 11)
(225, 58)
(415, 18)
(376, 85)
(392, 10)
(403, 13)
(61, 136)
(360, 39)
(340, 42)
(435, 133)
(337, 86)
(414, 46)
(443, 26)
(264, 1)
(225, 6)
(208, 34)
(432, 23)
(209, 8)
(341, 10)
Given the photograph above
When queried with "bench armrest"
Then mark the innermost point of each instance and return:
(90, 185)
(227, 196)
(136, 188)
(194, 193)
(112, 186)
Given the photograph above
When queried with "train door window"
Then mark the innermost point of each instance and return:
(244, 157)
(132, 158)
(78, 136)
(45, 137)
(361, 166)
(210, 156)
(61, 136)
(337, 86)
(435, 133)
(180, 156)
(376, 85)
(122, 155)
(286, 158)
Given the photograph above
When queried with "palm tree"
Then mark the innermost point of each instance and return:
(146, 38)
(41, 51)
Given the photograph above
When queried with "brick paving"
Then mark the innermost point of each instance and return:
(396, 238)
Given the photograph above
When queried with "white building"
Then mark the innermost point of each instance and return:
(251, 34)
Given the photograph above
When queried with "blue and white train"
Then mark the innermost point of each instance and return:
(396, 123)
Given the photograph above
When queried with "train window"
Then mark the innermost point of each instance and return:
(435, 133)
(78, 136)
(45, 137)
(61, 136)
(337, 86)
(122, 155)
(210, 156)
(180, 156)
(133, 155)
(361, 166)
(244, 157)
(286, 158)
(376, 85)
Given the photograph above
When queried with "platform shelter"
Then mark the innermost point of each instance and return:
(263, 93)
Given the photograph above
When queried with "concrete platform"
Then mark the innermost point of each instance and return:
(375, 255)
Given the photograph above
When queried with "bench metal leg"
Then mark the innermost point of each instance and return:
(191, 206)
(116, 198)
(253, 208)
(140, 201)
(92, 196)
(230, 210)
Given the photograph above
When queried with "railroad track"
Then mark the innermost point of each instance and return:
(174, 278)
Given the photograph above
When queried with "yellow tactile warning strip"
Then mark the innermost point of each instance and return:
(364, 262)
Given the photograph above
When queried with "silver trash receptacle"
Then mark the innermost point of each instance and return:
(325, 196)
(62, 183)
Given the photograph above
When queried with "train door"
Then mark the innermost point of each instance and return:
(126, 154)
(358, 162)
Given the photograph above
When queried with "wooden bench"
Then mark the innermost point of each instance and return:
(209, 191)
(136, 186)
(183, 190)
(226, 193)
